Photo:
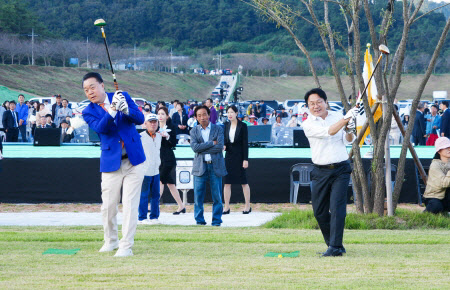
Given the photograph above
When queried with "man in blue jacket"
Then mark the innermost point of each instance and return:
(22, 110)
(114, 116)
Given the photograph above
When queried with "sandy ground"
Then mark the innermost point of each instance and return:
(166, 208)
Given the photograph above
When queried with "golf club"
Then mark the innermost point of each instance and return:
(101, 23)
(384, 50)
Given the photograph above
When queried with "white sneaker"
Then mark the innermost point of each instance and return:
(109, 247)
(153, 222)
(143, 222)
(123, 253)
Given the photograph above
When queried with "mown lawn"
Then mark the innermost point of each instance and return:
(206, 257)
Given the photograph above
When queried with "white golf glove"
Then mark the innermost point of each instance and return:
(1, 156)
(352, 113)
(351, 124)
(123, 107)
(117, 98)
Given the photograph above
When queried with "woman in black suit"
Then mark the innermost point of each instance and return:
(236, 159)
(179, 120)
(168, 161)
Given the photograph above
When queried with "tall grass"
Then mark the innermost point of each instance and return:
(403, 220)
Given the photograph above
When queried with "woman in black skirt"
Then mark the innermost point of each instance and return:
(168, 161)
(236, 158)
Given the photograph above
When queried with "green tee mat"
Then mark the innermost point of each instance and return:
(283, 255)
(74, 150)
(60, 252)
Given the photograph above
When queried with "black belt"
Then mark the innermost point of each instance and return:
(332, 165)
(208, 162)
(124, 156)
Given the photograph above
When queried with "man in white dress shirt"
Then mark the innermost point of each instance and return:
(330, 177)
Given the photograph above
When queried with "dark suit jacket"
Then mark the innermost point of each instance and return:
(176, 121)
(8, 119)
(445, 123)
(67, 137)
(420, 127)
(239, 148)
(202, 147)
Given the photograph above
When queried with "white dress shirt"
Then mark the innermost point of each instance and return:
(205, 135)
(326, 149)
(232, 133)
(107, 106)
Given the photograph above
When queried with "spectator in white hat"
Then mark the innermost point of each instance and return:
(151, 142)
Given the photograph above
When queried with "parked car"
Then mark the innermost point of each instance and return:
(289, 104)
(227, 72)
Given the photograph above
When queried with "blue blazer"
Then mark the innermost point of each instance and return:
(112, 130)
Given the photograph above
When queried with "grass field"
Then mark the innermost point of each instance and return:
(47, 81)
(207, 257)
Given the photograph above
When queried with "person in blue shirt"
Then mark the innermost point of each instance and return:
(433, 124)
(22, 110)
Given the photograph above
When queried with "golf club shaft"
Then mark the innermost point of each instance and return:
(116, 85)
(373, 73)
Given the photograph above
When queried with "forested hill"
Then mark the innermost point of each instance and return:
(187, 25)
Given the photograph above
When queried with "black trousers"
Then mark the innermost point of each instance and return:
(329, 200)
(23, 133)
(435, 205)
(12, 135)
(421, 141)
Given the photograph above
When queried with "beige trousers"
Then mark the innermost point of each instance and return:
(129, 178)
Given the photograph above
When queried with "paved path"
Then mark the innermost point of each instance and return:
(236, 219)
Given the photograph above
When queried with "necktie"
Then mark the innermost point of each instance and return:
(15, 119)
(103, 107)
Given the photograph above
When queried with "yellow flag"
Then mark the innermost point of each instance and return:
(371, 92)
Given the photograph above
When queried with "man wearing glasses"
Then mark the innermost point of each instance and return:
(331, 174)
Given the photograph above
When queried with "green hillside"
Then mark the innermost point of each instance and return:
(296, 87)
(47, 81)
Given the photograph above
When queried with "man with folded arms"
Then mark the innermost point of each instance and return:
(114, 117)
(331, 174)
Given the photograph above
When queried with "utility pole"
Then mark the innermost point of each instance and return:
(32, 45)
(171, 62)
(87, 51)
(135, 56)
(220, 60)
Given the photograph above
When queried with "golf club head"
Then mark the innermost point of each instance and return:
(100, 22)
(384, 49)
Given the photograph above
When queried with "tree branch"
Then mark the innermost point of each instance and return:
(430, 12)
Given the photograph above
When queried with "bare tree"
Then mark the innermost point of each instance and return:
(4, 40)
(12, 47)
(367, 200)
(63, 49)
(46, 50)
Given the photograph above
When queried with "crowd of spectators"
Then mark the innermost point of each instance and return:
(430, 123)
(21, 118)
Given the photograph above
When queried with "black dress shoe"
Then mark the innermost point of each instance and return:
(226, 212)
(332, 252)
(181, 211)
(342, 249)
(247, 212)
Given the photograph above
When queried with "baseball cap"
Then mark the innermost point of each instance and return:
(151, 117)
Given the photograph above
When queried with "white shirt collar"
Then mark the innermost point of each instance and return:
(318, 118)
(207, 127)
